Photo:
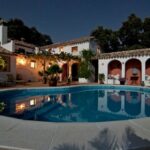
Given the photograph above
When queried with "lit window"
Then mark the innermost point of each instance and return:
(33, 64)
(74, 49)
(49, 98)
(61, 49)
(32, 102)
(20, 107)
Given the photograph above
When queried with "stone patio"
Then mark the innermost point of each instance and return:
(119, 135)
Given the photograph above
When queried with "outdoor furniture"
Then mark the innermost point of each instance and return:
(7, 80)
(147, 80)
(19, 79)
(23, 82)
(134, 79)
(113, 79)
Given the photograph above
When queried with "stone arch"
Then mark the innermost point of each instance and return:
(114, 67)
(133, 103)
(114, 102)
(147, 69)
(133, 71)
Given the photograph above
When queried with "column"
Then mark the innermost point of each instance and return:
(142, 105)
(123, 70)
(143, 70)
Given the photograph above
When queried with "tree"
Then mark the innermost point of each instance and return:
(133, 34)
(130, 33)
(85, 65)
(146, 33)
(18, 30)
(106, 39)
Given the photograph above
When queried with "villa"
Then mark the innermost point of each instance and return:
(118, 115)
(27, 67)
(132, 67)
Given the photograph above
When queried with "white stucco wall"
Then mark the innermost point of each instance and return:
(68, 48)
(9, 46)
(103, 65)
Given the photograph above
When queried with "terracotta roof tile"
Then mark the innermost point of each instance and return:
(129, 53)
(79, 40)
(22, 43)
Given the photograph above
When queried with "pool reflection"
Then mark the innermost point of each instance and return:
(85, 106)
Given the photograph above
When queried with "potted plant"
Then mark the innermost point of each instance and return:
(2, 106)
(122, 81)
(53, 74)
(101, 78)
(84, 72)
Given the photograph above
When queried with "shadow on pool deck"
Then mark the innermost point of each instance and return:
(106, 140)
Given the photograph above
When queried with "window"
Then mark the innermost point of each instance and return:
(74, 49)
(61, 49)
(32, 102)
(33, 64)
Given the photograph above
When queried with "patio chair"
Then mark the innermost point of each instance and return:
(3, 80)
(19, 79)
(10, 80)
(147, 80)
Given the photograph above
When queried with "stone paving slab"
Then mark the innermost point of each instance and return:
(119, 135)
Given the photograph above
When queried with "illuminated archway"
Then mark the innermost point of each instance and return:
(133, 72)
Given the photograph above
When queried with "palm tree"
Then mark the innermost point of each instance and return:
(2, 63)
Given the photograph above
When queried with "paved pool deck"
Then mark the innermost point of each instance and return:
(119, 135)
(18, 134)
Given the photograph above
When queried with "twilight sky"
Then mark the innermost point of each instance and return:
(68, 19)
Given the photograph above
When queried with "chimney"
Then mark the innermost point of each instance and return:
(3, 32)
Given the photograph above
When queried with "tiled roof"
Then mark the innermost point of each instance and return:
(4, 51)
(22, 43)
(79, 40)
(129, 53)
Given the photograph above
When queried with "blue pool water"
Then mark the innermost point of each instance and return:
(77, 104)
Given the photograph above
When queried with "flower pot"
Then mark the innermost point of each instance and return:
(53, 83)
(83, 80)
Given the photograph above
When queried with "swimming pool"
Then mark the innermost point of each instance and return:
(96, 103)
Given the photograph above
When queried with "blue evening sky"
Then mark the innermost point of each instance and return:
(68, 19)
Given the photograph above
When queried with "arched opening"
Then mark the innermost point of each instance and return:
(114, 72)
(147, 73)
(133, 72)
(133, 103)
(147, 105)
(114, 101)
(74, 72)
(65, 72)
(148, 67)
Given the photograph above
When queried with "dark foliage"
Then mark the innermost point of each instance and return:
(19, 31)
(133, 34)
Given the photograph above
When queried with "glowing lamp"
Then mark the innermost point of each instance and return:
(21, 61)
